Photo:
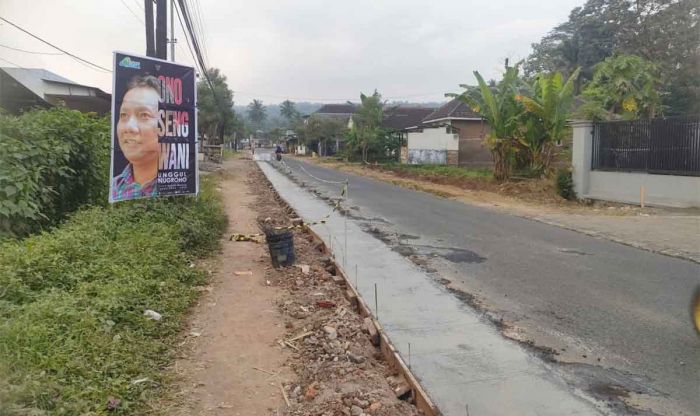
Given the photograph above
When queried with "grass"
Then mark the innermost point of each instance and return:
(73, 337)
(440, 170)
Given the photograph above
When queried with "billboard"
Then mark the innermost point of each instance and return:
(154, 129)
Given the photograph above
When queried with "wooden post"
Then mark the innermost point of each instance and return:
(642, 196)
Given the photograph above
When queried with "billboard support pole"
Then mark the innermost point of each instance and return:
(172, 30)
(150, 42)
(162, 29)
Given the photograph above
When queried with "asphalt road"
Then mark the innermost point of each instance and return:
(617, 315)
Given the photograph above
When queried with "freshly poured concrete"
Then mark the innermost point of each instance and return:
(461, 360)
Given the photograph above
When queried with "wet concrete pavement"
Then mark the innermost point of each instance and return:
(618, 314)
(461, 359)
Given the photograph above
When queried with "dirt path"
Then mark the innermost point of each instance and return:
(236, 322)
(282, 342)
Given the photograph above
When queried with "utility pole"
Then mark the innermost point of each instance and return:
(150, 43)
(172, 30)
(162, 29)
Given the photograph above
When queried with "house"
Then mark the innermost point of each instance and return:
(22, 89)
(341, 113)
(452, 135)
(400, 120)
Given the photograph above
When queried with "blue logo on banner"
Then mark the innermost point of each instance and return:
(128, 63)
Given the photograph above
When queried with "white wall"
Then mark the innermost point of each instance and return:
(435, 138)
(662, 190)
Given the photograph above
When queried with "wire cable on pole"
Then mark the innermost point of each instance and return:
(56, 47)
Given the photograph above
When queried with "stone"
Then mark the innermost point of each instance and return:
(372, 331)
(374, 407)
(331, 332)
(355, 410)
(310, 393)
(355, 358)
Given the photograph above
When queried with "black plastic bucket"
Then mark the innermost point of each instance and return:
(281, 246)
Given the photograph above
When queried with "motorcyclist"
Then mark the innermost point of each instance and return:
(278, 153)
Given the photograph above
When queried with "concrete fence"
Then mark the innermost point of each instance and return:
(628, 187)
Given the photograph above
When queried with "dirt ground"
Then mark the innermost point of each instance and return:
(671, 231)
(265, 341)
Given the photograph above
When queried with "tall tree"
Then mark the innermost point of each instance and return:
(623, 86)
(257, 114)
(288, 111)
(215, 117)
(665, 32)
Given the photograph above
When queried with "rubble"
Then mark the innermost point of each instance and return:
(333, 352)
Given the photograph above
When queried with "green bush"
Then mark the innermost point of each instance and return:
(51, 162)
(565, 184)
(72, 330)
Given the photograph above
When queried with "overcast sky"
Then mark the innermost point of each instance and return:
(303, 50)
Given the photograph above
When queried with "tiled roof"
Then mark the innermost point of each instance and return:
(336, 109)
(399, 118)
(453, 109)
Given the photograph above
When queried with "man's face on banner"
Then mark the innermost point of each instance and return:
(137, 129)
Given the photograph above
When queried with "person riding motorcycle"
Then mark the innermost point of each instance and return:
(278, 153)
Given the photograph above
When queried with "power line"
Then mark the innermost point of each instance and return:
(132, 12)
(33, 53)
(193, 29)
(198, 18)
(56, 47)
(195, 46)
(12, 63)
(184, 32)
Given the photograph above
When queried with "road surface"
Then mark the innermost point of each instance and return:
(616, 317)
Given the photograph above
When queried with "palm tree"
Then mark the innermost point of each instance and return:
(498, 107)
(288, 110)
(546, 113)
(257, 113)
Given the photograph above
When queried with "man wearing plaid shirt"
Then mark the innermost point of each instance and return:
(137, 134)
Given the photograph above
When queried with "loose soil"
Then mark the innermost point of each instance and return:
(265, 341)
(528, 195)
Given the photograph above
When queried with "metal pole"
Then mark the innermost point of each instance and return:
(172, 30)
(376, 302)
(409, 355)
(162, 29)
(150, 33)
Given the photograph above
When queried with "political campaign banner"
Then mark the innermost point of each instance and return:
(154, 129)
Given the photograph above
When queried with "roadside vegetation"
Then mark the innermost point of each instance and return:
(51, 163)
(77, 275)
(73, 336)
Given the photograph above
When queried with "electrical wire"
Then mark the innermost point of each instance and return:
(184, 32)
(31, 52)
(132, 12)
(56, 47)
(12, 63)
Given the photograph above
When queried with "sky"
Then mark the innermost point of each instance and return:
(302, 50)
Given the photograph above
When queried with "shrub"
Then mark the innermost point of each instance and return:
(51, 162)
(565, 184)
(72, 330)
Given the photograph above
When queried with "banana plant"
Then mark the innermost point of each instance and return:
(544, 120)
(499, 108)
